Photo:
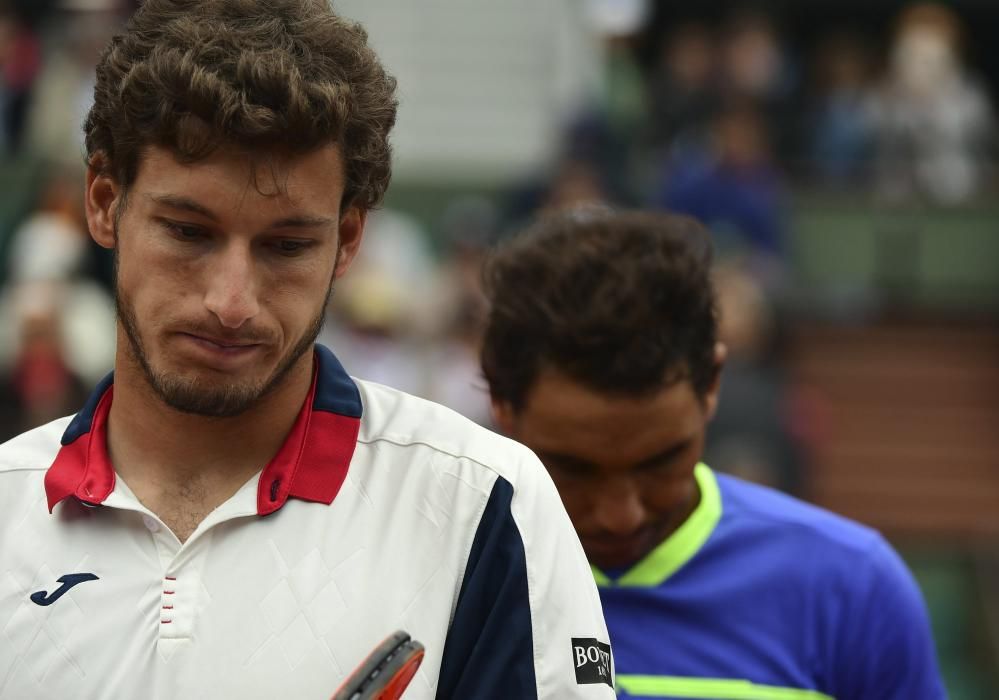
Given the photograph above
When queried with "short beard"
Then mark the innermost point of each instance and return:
(194, 397)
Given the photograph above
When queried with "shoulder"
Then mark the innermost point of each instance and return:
(421, 445)
(805, 545)
(407, 426)
(33, 450)
(24, 460)
(862, 606)
(747, 506)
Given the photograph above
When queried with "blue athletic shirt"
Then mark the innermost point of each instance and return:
(759, 596)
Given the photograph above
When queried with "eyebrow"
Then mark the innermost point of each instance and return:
(565, 460)
(583, 465)
(187, 204)
(666, 454)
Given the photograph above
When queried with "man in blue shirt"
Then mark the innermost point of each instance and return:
(601, 355)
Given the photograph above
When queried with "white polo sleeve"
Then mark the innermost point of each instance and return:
(528, 622)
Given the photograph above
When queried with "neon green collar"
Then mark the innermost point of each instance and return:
(677, 549)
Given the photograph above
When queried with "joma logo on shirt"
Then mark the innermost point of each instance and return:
(67, 581)
(592, 660)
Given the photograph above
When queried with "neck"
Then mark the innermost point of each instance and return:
(172, 459)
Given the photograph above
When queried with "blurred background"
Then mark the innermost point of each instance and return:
(843, 153)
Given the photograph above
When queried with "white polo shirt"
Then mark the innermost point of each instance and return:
(380, 512)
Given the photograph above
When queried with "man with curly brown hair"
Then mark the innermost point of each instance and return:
(601, 354)
(231, 515)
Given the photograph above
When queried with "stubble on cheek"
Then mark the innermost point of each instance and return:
(148, 337)
(191, 394)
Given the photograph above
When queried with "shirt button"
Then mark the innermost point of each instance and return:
(151, 523)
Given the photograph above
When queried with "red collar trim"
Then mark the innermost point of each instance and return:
(82, 467)
(313, 461)
(311, 464)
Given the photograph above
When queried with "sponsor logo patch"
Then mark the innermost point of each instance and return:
(592, 660)
(67, 581)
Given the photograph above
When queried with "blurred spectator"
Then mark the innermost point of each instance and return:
(49, 256)
(932, 121)
(733, 188)
(683, 89)
(372, 337)
(65, 87)
(752, 60)
(599, 142)
(752, 434)
(20, 59)
(469, 227)
(576, 183)
(383, 313)
(572, 182)
(622, 95)
(52, 243)
(756, 69)
(39, 385)
(403, 319)
(453, 367)
(840, 122)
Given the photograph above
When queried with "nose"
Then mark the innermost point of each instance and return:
(618, 508)
(231, 287)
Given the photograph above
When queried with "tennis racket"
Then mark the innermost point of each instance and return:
(386, 672)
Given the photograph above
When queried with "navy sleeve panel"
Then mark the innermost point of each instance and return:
(489, 652)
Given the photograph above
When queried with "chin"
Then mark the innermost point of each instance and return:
(606, 563)
(622, 552)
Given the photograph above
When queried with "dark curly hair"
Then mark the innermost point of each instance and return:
(269, 76)
(621, 302)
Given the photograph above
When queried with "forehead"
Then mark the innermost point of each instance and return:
(231, 181)
(563, 416)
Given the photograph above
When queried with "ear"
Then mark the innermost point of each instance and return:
(503, 416)
(102, 198)
(711, 396)
(351, 231)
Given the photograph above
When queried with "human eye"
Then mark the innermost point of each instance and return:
(182, 231)
(291, 247)
(567, 468)
(659, 467)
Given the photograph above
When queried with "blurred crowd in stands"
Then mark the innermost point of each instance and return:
(713, 118)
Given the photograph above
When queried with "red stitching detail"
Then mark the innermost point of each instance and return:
(168, 607)
(168, 592)
(171, 578)
(165, 622)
